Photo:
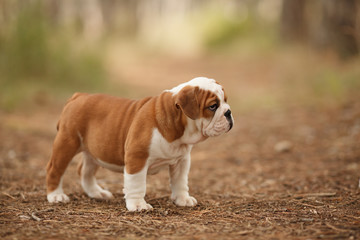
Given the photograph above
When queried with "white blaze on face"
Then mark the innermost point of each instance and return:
(219, 124)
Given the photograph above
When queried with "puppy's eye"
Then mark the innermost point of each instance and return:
(213, 107)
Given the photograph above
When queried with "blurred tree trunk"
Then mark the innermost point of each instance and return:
(120, 15)
(339, 20)
(332, 24)
(293, 21)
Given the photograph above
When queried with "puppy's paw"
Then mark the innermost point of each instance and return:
(100, 194)
(137, 205)
(184, 200)
(57, 197)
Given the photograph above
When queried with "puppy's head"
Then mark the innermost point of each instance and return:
(204, 101)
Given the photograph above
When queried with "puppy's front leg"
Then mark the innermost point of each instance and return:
(135, 189)
(179, 182)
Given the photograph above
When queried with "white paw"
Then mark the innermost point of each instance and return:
(57, 197)
(184, 201)
(100, 193)
(137, 205)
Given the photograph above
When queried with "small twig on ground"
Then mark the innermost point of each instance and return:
(133, 225)
(23, 196)
(35, 217)
(336, 228)
(24, 217)
(309, 205)
(8, 195)
(315, 195)
(245, 232)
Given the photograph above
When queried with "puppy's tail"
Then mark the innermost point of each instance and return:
(73, 97)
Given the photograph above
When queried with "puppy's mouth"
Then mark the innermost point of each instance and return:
(218, 129)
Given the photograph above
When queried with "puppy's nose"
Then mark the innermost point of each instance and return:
(227, 114)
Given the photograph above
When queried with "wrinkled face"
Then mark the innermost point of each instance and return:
(204, 101)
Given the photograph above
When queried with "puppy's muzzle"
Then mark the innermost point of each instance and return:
(227, 114)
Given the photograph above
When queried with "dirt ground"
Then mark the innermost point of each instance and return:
(281, 173)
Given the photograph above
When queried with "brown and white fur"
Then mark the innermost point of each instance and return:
(137, 137)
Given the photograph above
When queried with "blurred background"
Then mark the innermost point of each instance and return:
(266, 52)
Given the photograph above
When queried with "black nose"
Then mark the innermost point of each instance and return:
(227, 114)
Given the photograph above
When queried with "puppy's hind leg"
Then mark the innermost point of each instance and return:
(88, 180)
(64, 149)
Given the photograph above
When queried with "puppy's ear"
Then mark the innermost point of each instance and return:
(187, 101)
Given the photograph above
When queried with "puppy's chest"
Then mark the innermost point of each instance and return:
(162, 153)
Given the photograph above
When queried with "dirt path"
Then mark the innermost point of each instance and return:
(281, 173)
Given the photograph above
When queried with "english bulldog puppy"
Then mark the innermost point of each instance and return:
(137, 137)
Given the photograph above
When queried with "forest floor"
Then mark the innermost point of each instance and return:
(285, 171)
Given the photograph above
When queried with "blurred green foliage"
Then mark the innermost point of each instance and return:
(335, 84)
(220, 31)
(36, 58)
(328, 83)
(239, 32)
(325, 84)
